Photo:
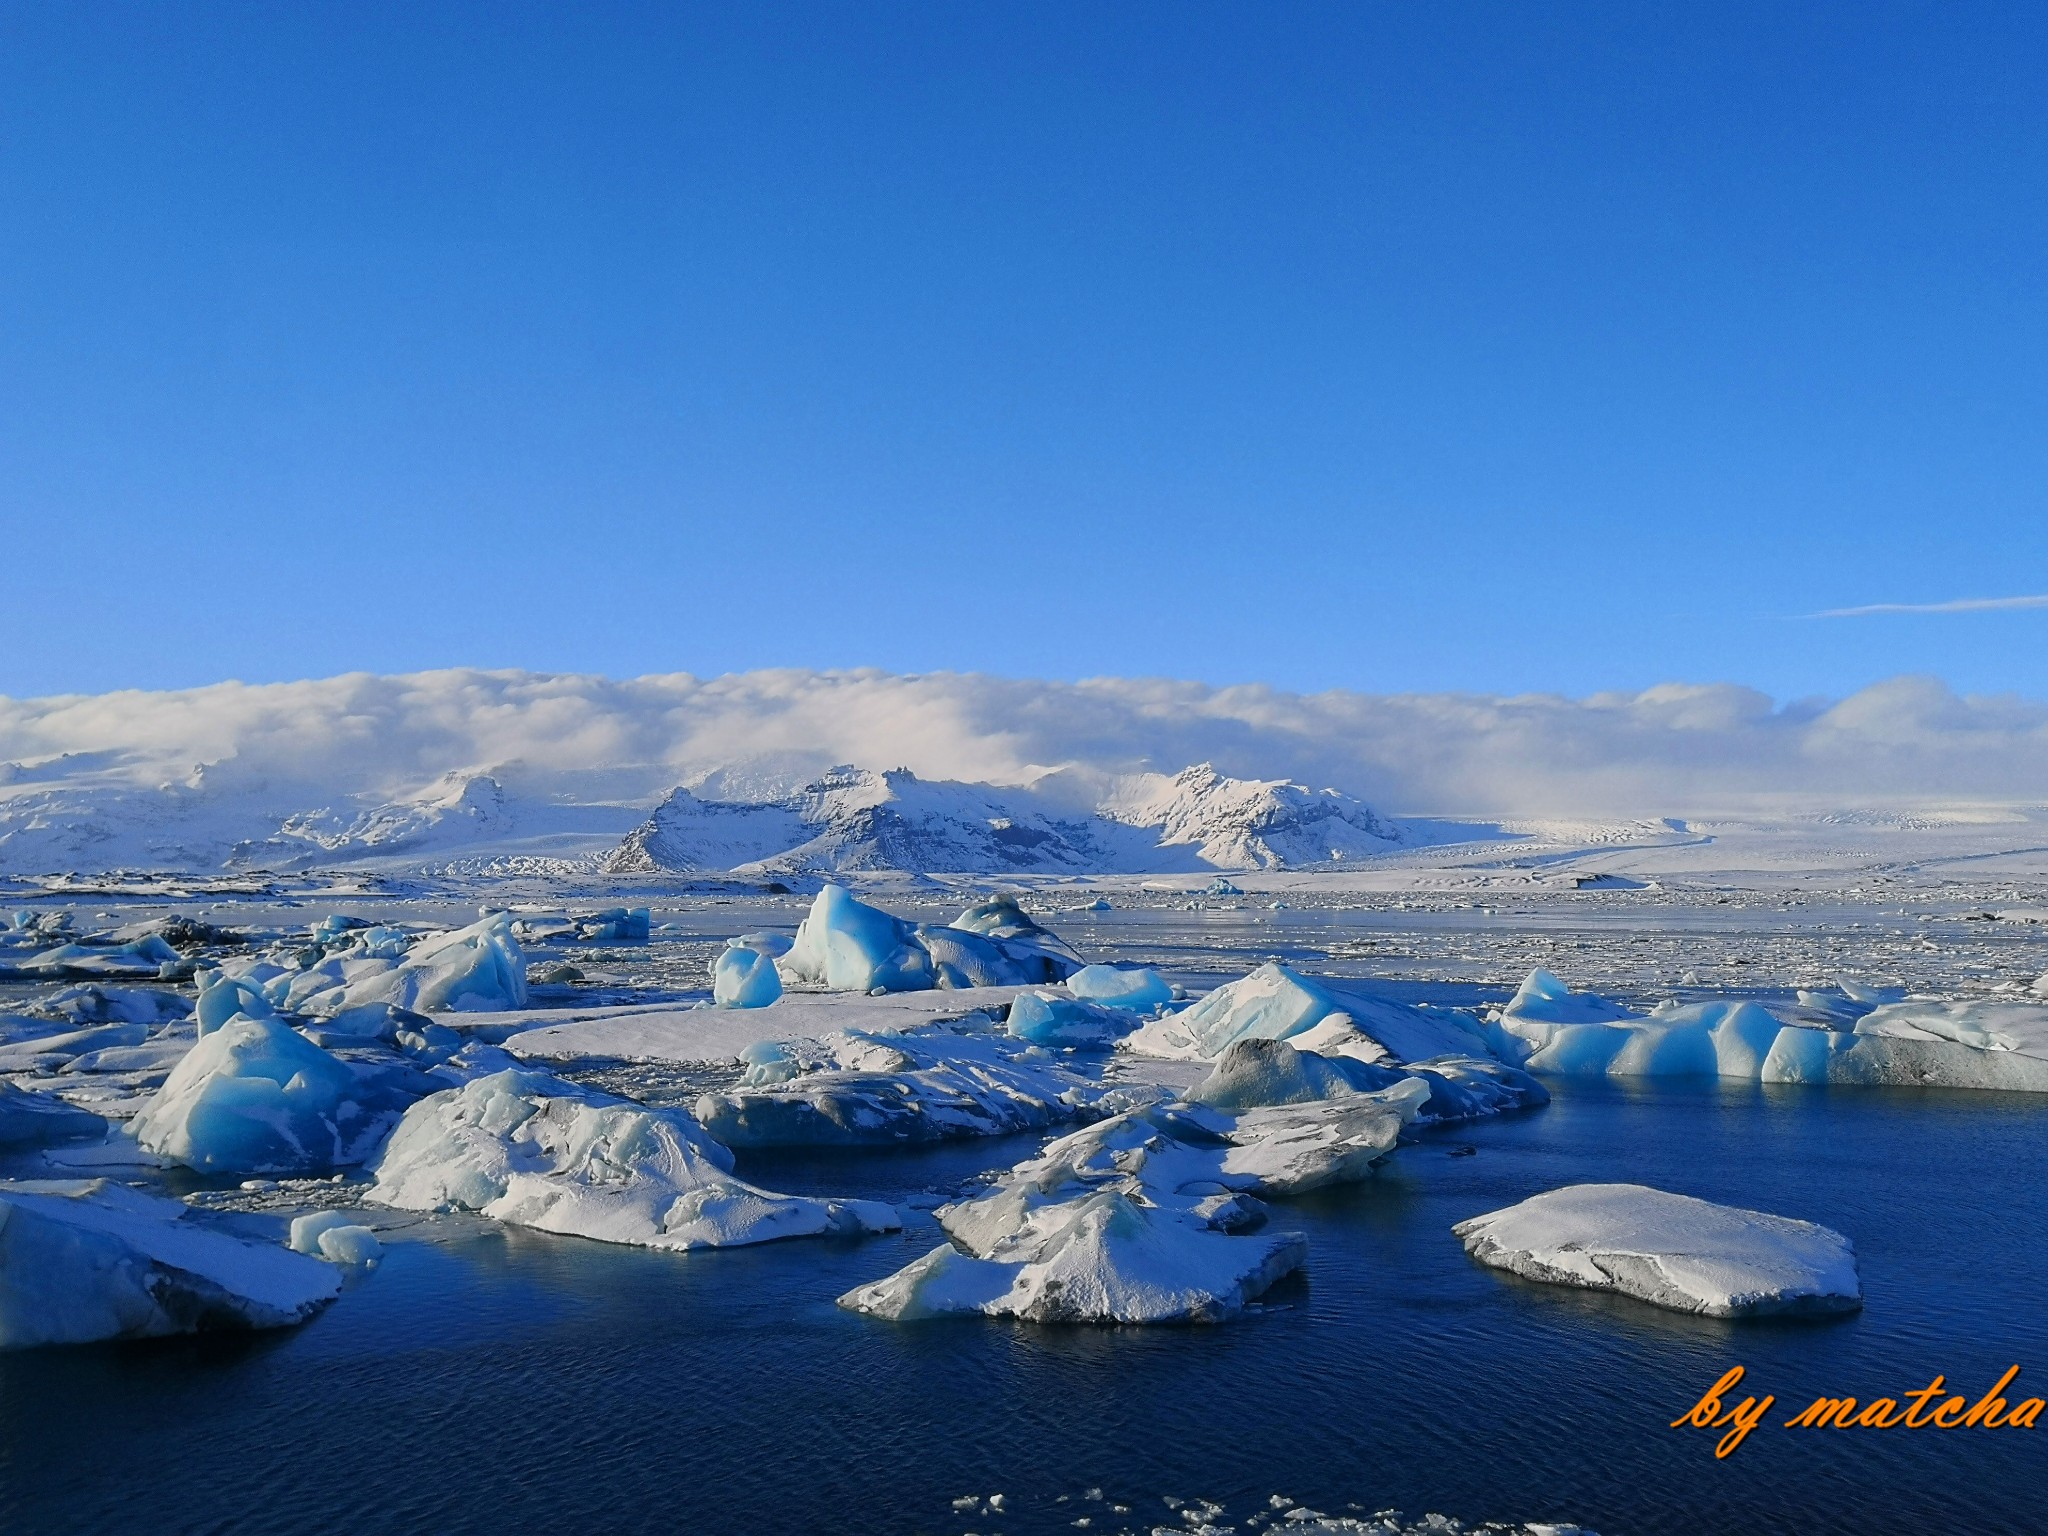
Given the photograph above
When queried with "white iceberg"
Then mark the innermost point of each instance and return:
(530, 1149)
(1276, 1003)
(1987, 1024)
(85, 1259)
(480, 968)
(257, 1097)
(144, 957)
(899, 1090)
(1149, 1216)
(1670, 1250)
(1542, 1003)
(333, 1236)
(1136, 988)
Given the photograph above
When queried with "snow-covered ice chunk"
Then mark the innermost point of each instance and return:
(1069, 1023)
(744, 977)
(475, 969)
(1135, 988)
(1276, 1003)
(1269, 1004)
(257, 1097)
(891, 1090)
(530, 1149)
(34, 1119)
(1543, 1002)
(91, 1003)
(1255, 1073)
(1887, 1061)
(1149, 1216)
(1671, 1250)
(335, 1237)
(1988, 1024)
(144, 957)
(1026, 946)
(85, 1259)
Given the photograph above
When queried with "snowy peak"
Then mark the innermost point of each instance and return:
(1251, 823)
(853, 819)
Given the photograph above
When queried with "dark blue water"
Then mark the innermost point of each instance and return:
(495, 1381)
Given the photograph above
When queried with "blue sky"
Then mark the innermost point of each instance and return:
(1563, 347)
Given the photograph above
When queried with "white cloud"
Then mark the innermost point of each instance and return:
(1670, 750)
(1958, 605)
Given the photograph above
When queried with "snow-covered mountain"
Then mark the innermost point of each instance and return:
(855, 819)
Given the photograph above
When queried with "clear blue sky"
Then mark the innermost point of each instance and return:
(1493, 347)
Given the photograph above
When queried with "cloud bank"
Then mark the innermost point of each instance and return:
(1669, 750)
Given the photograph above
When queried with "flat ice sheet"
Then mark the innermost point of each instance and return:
(1670, 1250)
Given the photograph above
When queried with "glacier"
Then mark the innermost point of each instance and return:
(1670, 1250)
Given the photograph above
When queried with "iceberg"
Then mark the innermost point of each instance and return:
(1987, 1024)
(85, 1259)
(144, 957)
(1542, 1003)
(1275, 1003)
(257, 1097)
(1149, 1216)
(1269, 1004)
(1713, 1039)
(1257, 1073)
(1670, 1250)
(848, 946)
(332, 1236)
(1140, 990)
(526, 1148)
(1067, 1023)
(34, 1119)
(896, 1090)
(744, 977)
(480, 968)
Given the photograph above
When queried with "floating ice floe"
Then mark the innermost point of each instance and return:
(1275, 1003)
(849, 946)
(1671, 1250)
(1135, 988)
(892, 1090)
(91, 1003)
(1068, 1023)
(1987, 1024)
(255, 1096)
(530, 1149)
(85, 1259)
(466, 970)
(1149, 1216)
(333, 1236)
